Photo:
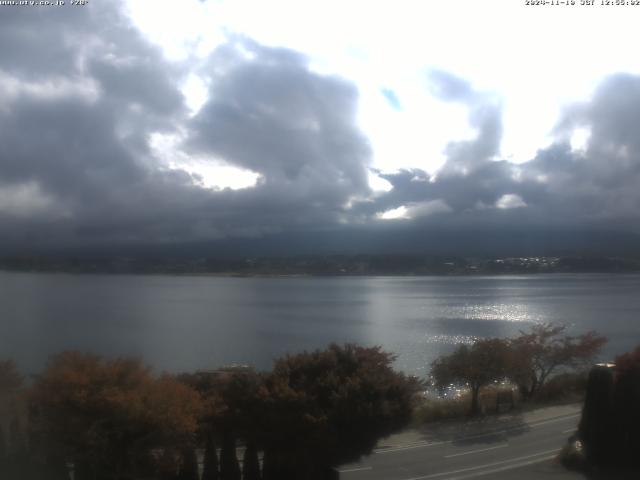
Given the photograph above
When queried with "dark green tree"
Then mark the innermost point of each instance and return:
(10, 385)
(597, 427)
(17, 438)
(626, 402)
(10, 378)
(168, 465)
(229, 466)
(3, 454)
(250, 463)
(54, 468)
(188, 465)
(210, 467)
(83, 470)
(233, 411)
(329, 407)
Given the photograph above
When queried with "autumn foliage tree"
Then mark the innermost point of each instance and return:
(10, 378)
(10, 410)
(328, 407)
(546, 350)
(475, 365)
(529, 360)
(106, 416)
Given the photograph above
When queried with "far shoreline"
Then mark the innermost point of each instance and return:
(315, 276)
(358, 265)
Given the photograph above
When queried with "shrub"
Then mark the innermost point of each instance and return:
(435, 409)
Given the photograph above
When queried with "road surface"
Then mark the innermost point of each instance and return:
(520, 447)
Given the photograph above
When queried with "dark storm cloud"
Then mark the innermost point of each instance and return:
(267, 112)
(37, 41)
(82, 93)
(76, 167)
(597, 188)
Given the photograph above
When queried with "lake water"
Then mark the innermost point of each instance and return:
(181, 323)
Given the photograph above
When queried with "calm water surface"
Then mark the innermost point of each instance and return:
(188, 323)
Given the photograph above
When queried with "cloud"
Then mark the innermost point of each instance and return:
(596, 187)
(450, 88)
(510, 200)
(79, 166)
(267, 112)
(75, 127)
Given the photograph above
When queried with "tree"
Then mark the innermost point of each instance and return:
(3, 446)
(229, 466)
(189, 465)
(626, 401)
(610, 418)
(107, 415)
(240, 415)
(597, 427)
(13, 448)
(545, 350)
(210, 467)
(232, 411)
(329, 407)
(3, 454)
(168, 464)
(10, 379)
(477, 365)
(10, 390)
(250, 463)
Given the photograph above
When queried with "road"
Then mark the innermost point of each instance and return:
(511, 446)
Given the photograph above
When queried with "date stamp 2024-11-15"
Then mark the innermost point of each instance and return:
(583, 3)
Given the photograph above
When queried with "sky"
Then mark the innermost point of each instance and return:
(319, 126)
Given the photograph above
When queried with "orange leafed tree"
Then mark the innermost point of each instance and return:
(545, 350)
(108, 416)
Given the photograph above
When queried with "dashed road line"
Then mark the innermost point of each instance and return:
(469, 452)
(358, 469)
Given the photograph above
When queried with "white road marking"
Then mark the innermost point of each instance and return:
(569, 430)
(553, 420)
(486, 434)
(469, 452)
(359, 469)
(411, 447)
(478, 467)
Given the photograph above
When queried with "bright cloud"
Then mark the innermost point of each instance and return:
(389, 45)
